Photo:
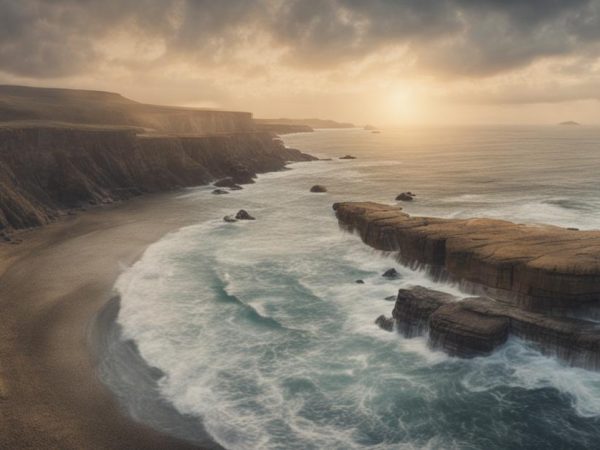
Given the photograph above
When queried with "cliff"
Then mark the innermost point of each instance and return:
(22, 103)
(47, 168)
(540, 283)
(534, 267)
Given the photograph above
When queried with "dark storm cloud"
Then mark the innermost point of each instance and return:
(449, 37)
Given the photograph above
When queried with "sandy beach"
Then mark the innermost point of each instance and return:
(51, 287)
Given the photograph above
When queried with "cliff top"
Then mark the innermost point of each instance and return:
(544, 247)
(23, 103)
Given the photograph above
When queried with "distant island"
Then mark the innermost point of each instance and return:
(569, 123)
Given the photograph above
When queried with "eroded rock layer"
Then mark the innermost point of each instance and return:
(476, 326)
(535, 267)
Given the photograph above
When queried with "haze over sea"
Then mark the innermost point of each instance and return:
(260, 333)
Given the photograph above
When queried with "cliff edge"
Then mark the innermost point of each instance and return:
(47, 169)
(534, 267)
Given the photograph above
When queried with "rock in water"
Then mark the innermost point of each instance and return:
(453, 326)
(465, 333)
(242, 214)
(392, 274)
(390, 298)
(415, 306)
(476, 326)
(406, 197)
(235, 187)
(348, 157)
(229, 219)
(359, 282)
(318, 188)
(220, 192)
(385, 323)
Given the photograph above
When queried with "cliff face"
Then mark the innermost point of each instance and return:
(46, 169)
(537, 280)
(534, 267)
(107, 108)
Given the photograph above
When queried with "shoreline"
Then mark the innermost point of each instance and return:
(52, 286)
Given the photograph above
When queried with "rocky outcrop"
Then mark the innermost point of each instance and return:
(48, 169)
(391, 274)
(544, 268)
(318, 188)
(242, 214)
(476, 326)
(347, 157)
(405, 197)
(385, 323)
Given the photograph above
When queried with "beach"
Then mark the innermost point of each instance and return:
(51, 287)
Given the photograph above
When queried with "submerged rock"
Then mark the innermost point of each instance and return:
(220, 192)
(360, 282)
(406, 197)
(235, 187)
(385, 323)
(391, 274)
(242, 214)
(229, 219)
(390, 298)
(318, 188)
(348, 157)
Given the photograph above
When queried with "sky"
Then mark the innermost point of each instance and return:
(382, 62)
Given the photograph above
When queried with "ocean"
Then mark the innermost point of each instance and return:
(254, 335)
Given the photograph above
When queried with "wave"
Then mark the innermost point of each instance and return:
(259, 334)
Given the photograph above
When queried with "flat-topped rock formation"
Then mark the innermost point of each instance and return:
(477, 326)
(536, 267)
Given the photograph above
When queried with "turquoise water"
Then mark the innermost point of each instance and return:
(262, 336)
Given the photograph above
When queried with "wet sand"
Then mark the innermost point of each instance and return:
(51, 287)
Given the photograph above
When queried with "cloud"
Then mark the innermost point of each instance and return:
(449, 37)
(296, 52)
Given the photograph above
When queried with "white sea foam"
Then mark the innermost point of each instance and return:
(263, 334)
